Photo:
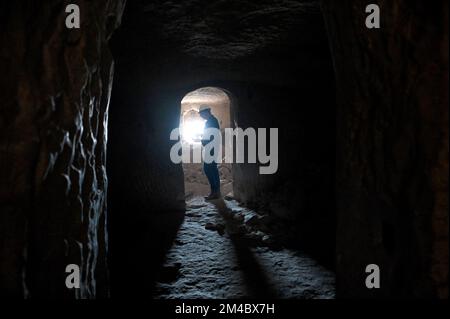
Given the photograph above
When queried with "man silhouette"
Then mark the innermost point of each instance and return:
(210, 169)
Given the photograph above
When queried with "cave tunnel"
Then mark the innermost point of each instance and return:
(362, 173)
(266, 91)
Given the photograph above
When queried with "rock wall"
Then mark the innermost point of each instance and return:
(301, 192)
(392, 167)
(55, 90)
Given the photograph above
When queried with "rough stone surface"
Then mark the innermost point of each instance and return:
(55, 90)
(392, 166)
(229, 265)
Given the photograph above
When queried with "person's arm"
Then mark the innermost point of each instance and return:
(205, 141)
(212, 124)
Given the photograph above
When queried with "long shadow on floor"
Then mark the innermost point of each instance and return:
(256, 279)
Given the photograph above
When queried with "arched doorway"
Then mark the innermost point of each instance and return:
(191, 129)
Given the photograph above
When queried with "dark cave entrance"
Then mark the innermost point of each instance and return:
(191, 128)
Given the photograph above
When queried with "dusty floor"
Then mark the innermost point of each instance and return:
(223, 251)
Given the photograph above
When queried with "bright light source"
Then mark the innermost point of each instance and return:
(192, 130)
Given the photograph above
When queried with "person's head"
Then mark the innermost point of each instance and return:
(204, 111)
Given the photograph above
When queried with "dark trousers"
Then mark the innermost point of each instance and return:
(212, 173)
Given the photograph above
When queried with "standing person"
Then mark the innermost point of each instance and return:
(210, 169)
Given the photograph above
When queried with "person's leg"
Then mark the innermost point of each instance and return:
(212, 173)
(216, 178)
(209, 175)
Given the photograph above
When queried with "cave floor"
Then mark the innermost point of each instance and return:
(217, 254)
